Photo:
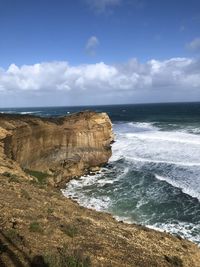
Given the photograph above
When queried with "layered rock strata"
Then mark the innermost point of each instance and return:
(62, 147)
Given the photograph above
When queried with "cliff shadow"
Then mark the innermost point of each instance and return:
(10, 253)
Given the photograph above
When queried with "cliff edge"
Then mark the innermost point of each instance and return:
(63, 147)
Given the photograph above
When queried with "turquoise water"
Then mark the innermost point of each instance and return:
(153, 177)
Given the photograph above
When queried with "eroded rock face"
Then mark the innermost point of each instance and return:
(63, 147)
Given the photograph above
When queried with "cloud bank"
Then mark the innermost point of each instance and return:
(175, 79)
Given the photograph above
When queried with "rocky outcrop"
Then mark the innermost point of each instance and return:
(62, 147)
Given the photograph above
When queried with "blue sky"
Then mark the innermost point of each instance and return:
(83, 38)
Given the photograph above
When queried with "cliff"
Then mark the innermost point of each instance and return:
(39, 227)
(63, 148)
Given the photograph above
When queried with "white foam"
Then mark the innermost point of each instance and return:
(21, 112)
(174, 150)
(103, 182)
(158, 146)
(74, 191)
(173, 137)
(134, 127)
(180, 229)
(173, 156)
(28, 112)
(142, 125)
(189, 164)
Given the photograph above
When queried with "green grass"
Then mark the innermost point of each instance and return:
(11, 234)
(40, 176)
(50, 210)
(69, 230)
(67, 259)
(14, 236)
(12, 177)
(35, 227)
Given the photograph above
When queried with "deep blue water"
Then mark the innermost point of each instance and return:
(153, 177)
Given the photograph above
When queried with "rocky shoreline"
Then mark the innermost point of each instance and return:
(40, 227)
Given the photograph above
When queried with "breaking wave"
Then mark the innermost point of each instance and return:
(152, 179)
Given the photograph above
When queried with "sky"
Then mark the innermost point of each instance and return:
(89, 52)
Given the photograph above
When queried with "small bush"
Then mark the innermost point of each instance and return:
(7, 174)
(12, 177)
(35, 227)
(38, 261)
(83, 221)
(13, 235)
(174, 260)
(69, 230)
(50, 210)
(41, 176)
(66, 259)
(3, 247)
(25, 194)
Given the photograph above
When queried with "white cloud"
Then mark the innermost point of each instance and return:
(176, 79)
(194, 45)
(91, 45)
(102, 5)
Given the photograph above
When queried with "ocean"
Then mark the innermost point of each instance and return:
(153, 176)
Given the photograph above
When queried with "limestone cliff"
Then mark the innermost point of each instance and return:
(63, 147)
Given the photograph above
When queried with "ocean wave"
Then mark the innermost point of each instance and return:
(178, 228)
(133, 187)
(157, 146)
(185, 189)
(188, 164)
(186, 230)
(124, 127)
(28, 112)
(75, 191)
(176, 154)
(143, 125)
(19, 112)
(172, 137)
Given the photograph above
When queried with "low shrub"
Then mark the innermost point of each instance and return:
(12, 177)
(3, 247)
(14, 236)
(50, 210)
(174, 260)
(35, 227)
(69, 230)
(41, 176)
(65, 258)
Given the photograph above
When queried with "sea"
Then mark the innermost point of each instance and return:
(153, 176)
